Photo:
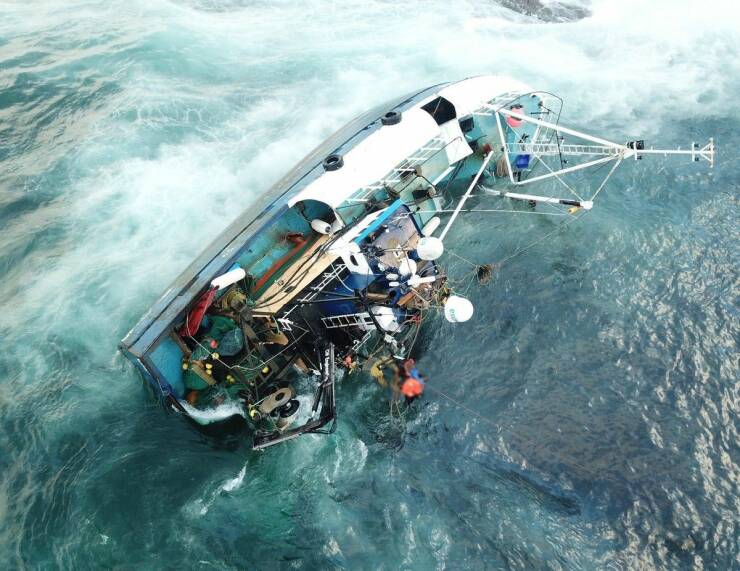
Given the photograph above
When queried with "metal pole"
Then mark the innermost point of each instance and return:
(567, 170)
(563, 129)
(466, 195)
(585, 204)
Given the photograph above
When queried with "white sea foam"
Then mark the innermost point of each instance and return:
(214, 414)
(144, 204)
(236, 482)
(204, 116)
(200, 506)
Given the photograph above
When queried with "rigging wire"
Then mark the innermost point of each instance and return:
(286, 291)
(553, 173)
(608, 176)
(558, 229)
(461, 405)
(494, 210)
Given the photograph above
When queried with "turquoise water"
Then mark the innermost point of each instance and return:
(586, 418)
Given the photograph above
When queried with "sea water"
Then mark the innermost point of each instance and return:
(585, 418)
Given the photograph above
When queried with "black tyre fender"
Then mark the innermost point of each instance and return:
(333, 162)
(391, 118)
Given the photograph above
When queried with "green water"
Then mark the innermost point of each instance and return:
(586, 418)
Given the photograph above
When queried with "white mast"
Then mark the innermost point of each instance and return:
(602, 150)
(466, 195)
(608, 150)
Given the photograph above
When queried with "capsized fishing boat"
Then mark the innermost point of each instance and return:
(338, 264)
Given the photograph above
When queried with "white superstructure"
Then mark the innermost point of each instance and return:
(379, 158)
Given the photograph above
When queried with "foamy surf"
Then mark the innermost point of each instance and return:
(201, 506)
(215, 414)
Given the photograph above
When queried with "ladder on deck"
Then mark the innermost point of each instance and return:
(543, 149)
(403, 169)
(498, 102)
(362, 320)
(327, 277)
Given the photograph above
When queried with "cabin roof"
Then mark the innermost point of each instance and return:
(371, 159)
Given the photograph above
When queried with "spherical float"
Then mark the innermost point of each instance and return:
(515, 122)
(321, 227)
(458, 309)
(430, 248)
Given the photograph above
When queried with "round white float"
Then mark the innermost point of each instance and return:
(225, 280)
(416, 280)
(430, 248)
(320, 226)
(458, 309)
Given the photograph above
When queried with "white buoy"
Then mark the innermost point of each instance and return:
(225, 280)
(430, 248)
(320, 226)
(416, 280)
(458, 309)
(407, 267)
(337, 225)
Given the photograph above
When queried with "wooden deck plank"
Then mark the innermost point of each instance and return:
(296, 278)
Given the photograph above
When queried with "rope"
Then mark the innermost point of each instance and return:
(281, 294)
(608, 176)
(553, 173)
(545, 237)
(470, 278)
(462, 406)
(465, 196)
(463, 259)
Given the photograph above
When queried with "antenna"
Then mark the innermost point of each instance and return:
(608, 150)
(697, 153)
(599, 150)
(603, 148)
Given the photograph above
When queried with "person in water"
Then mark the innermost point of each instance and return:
(413, 383)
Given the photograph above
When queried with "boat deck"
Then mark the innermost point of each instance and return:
(302, 272)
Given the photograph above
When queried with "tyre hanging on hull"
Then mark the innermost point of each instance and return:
(391, 118)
